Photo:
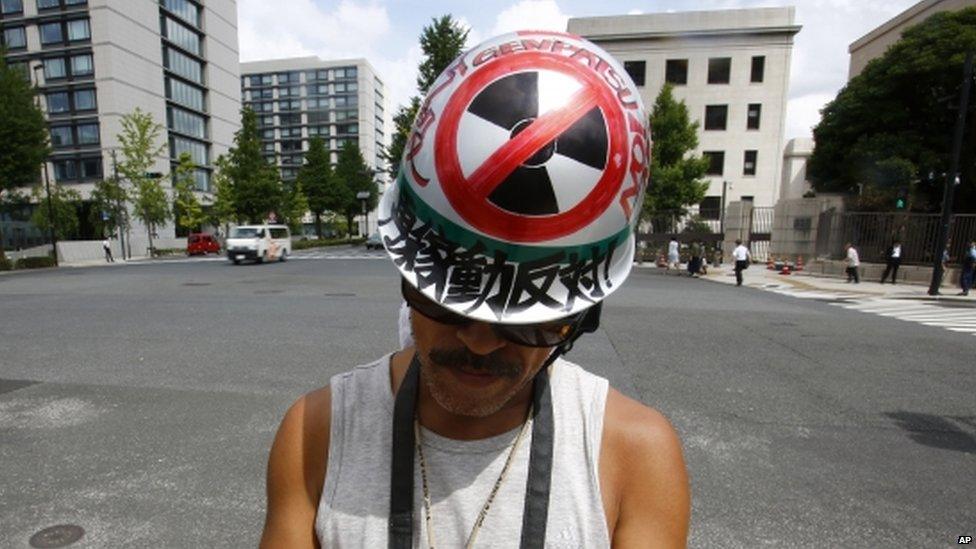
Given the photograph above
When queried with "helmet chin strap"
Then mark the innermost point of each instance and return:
(587, 325)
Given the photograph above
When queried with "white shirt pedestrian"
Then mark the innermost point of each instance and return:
(673, 255)
(741, 253)
(853, 260)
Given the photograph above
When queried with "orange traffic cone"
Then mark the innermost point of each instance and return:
(799, 263)
(786, 269)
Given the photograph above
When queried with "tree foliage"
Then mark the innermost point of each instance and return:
(65, 204)
(141, 146)
(676, 176)
(891, 126)
(187, 210)
(294, 206)
(442, 41)
(257, 187)
(353, 172)
(23, 132)
(324, 190)
(224, 209)
(108, 211)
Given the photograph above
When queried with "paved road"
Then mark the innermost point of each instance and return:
(139, 401)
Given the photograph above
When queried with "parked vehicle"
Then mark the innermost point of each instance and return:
(374, 241)
(260, 243)
(202, 243)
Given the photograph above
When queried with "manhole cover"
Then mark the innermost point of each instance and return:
(57, 536)
(196, 284)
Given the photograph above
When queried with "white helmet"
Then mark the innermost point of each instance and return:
(522, 181)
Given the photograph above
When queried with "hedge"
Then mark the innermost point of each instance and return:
(34, 262)
(5, 264)
(306, 244)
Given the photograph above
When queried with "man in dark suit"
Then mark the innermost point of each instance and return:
(893, 259)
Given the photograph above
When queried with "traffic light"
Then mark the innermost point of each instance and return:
(901, 200)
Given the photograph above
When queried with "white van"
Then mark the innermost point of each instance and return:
(259, 242)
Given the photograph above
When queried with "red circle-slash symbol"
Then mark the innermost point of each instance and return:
(469, 195)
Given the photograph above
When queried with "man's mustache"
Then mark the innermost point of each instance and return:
(493, 363)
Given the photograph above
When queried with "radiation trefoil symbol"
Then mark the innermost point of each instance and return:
(541, 152)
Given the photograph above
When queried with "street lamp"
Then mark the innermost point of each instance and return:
(363, 196)
(47, 182)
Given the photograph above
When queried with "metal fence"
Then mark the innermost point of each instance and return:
(872, 233)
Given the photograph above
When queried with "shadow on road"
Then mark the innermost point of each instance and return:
(938, 431)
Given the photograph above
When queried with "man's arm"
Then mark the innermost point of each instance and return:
(649, 499)
(296, 470)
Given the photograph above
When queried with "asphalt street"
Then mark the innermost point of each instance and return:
(139, 401)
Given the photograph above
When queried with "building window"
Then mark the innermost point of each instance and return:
(181, 35)
(51, 33)
(716, 162)
(61, 136)
(676, 71)
(11, 6)
(186, 122)
(14, 38)
(267, 134)
(758, 68)
(77, 168)
(719, 70)
(54, 68)
(184, 94)
(87, 134)
(636, 71)
(196, 149)
(749, 163)
(48, 4)
(84, 100)
(710, 208)
(185, 10)
(184, 65)
(290, 119)
(81, 65)
(716, 117)
(78, 30)
(753, 114)
(58, 102)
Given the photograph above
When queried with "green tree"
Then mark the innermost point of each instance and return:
(65, 204)
(442, 41)
(324, 190)
(23, 133)
(353, 172)
(108, 213)
(187, 210)
(141, 146)
(295, 206)
(224, 209)
(257, 187)
(891, 125)
(677, 175)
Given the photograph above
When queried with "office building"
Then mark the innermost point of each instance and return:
(98, 60)
(300, 98)
(876, 42)
(731, 68)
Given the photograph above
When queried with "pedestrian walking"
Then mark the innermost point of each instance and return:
(674, 256)
(893, 260)
(741, 256)
(480, 434)
(853, 264)
(968, 264)
(695, 263)
(107, 248)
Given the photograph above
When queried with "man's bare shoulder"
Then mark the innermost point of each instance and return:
(642, 461)
(296, 471)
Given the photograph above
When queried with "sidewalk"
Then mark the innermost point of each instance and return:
(758, 276)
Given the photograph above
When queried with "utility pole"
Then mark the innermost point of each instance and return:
(951, 178)
(119, 212)
(47, 181)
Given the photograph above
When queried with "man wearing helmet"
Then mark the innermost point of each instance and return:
(511, 220)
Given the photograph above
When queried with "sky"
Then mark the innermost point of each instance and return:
(386, 32)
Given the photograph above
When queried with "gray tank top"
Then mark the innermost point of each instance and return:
(355, 500)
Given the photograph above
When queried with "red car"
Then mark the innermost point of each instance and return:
(202, 243)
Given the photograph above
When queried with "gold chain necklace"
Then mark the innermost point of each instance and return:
(428, 518)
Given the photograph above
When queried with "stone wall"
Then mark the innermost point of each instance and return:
(796, 224)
